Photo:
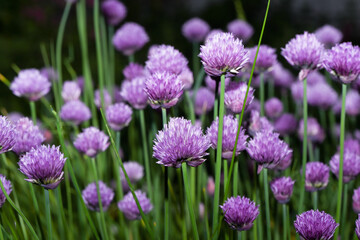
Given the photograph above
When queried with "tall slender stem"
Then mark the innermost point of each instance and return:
(340, 178)
(119, 189)
(218, 156)
(284, 221)
(315, 199)
(262, 94)
(131, 58)
(236, 178)
(267, 206)
(304, 152)
(166, 188)
(189, 202)
(33, 111)
(48, 214)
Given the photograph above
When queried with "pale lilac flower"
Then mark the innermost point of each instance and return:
(235, 96)
(107, 98)
(204, 101)
(285, 124)
(316, 176)
(258, 124)
(357, 228)
(75, 111)
(281, 77)
(134, 70)
(129, 208)
(114, 11)
(265, 60)
(273, 107)
(297, 91)
(91, 142)
(212, 33)
(282, 189)
(240, 29)
(187, 78)
(90, 196)
(315, 132)
(321, 95)
(50, 73)
(352, 104)
(118, 116)
(70, 91)
(315, 77)
(133, 92)
(135, 172)
(7, 135)
(328, 35)
(351, 167)
(13, 117)
(356, 200)
(8, 188)
(195, 30)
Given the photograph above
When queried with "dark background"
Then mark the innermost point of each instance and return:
(25, 24)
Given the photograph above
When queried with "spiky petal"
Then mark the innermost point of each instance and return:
(7, 135)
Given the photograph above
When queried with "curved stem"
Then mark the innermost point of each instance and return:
(267, 207)
(48, 213)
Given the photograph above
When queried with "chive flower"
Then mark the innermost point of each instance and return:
(204, 101)
(114, 11)
(70, 91)
(316, 176)
(195, 30)
(129, 208)
(135, 172)
(75, 112)
(107, 98)
(91, 142)
(134, 93)
(7, 135)
(265, 60)
(285, 124)
(273, 107)
(8, 188)
(133, 70)
(235, 96)
(90, 196)
(282, 189)
(27, 136)
(356, 200)
(328, 35)
(357, 228)
(118, 116)
(351, 165)
(241, 29)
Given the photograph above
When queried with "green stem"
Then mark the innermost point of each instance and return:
(196, 62)
(218, 156)
(315, 199)
(116, 169)
(33, 111)
(304, 152)
(284, 221)
(236, 178)
(111, 56)
(191, 107)
(166, 189)
(262, 94)
(225, 171)
(189, 202)
(131, 58)
(340, 178)
(344, 211)
(267, 207)
(48, 214)
(271, 90)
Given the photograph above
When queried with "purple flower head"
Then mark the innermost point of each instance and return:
(135, 172)
(163, 89)
(211, 83)
(180, 142)
(133, 70)
(114, 11)
(129, 38)
(166, 58)
(240, 212)
(27, 136)
(265, 60)
(258, 124)
(212, 33)
(351, 167)
(70, 91)
(50, 73)
(352, 145)
(254, 106)
(90, 196)
(118, 116)
(107, 98)
(240, 29)
(315, 225)
(204, 101)
(13, 117)
(195, 30)
(223, 54)
(315, 77)
(117, 93)
(187, 78)
(75, 111)
(210, 186)
(356, 200)
(267, 149)
(43, 166)
(7, 135)
(281, 76)
(133, 92)
(229, 136)
(315, 132)
(328, 35)
(285, 124)
(316, 176)
(343, 62)
(91, 141)
(321, 95)
(352, 104)
(357, 228)
(282, 189)
(273, 107)
(285, 162)
(297, 91)
(30, 84)
(235, 96)
(129, 208)
(80, 82)
(8, 188)
(304, 52)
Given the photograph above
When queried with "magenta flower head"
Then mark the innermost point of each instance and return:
(70, 91)
(230, 127)
(258, 124)
(187, 78)
(129, 208)
(240, 212)
(43, 166)
(8, 188)
(351, 167)
(304, 52)
(352, 144)
(27, 136)
(328, 35)
(357, 228)
(240, 29)
(273, 107)
(97, 98)
(114, 11)
(130, 38)
(163, 89)
(118, 116)
(321, 95)
(135, 172)
(343, 62)
(166, 58)
(180, 142)
(356, 200)
(7, 135)
(315, 132)
(133, 92)
(282, 189)
(91, 141)
(31, 84)
(316, 176)
(90, 196)
(315, 225)
(204, 101)
(282, 77)
(235, 96)
(352, 106)
(285, 124)
(195, 30)
(285, 162)
(265, 60)
(75, 112)
(223, 54)
(133, 70)
(267, 149)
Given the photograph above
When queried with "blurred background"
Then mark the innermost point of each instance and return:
(26, 24)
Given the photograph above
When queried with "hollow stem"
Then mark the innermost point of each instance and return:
(267, 206)
(166, 188)
(315, 200)
(33, 111)
(284, 221)
(48, 214)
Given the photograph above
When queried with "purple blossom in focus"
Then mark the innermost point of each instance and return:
(118, 116)
(97, 98)
(273, 107)
(265, 60)
(90, 196)
(43, 166)
(114, 11)
(240, 29)
(285, 124)
(75, 111)
(235, 96)
(135, 172)
(70, 91)
(351, 167)
(180, 142)
(328, 35)
(91, 141)
(316, 176)
(7, 135)
(352, 104)
(282, 189)
(195, 30)
(8, 188)
(315, 132)
(356, 200)
(133, 70)
(129, 208)
(204, 101)
(133, 92)
(30, 83)
(240, 212)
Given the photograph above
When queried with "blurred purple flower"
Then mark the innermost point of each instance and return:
(240, 29)
(316, 176)
(133, 70)
(135, 172)
(133, 92)
(281, 76)
(187, 78)
(352, 104)
(91, 141)
(357, 228)
(204, 101)
(315, 132)
(50, 73)
(356, 200)
(212, 33)
(235, 96)
(97, 98)
(351, 167)
(315, 77)
(321, 95)
(70, 91)
(129, 208)
(285, 124)
(265, 60)
(282, 189)
(75, 111)
(8, 188)
(211, 83)
(328, 35)
(273, 107)
(118, 116)
(7, 135)
(114, 11)
(258, 124)
(90, 196)
(195, 30)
